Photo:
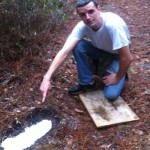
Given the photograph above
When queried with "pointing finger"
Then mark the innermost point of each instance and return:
(44, 96)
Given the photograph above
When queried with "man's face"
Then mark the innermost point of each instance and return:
(90, 14)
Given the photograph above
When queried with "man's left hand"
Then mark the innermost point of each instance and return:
(110, 79)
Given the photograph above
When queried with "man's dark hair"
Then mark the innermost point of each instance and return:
(81, 3)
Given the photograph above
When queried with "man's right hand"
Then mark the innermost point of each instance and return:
(45, 86)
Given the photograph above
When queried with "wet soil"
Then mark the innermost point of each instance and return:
(20, 95)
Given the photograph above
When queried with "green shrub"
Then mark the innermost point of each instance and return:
(23, 19)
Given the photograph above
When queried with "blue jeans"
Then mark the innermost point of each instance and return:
(85, 50)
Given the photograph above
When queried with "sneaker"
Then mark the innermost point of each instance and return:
(77, 89)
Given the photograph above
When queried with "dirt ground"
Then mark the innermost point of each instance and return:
(20, 95)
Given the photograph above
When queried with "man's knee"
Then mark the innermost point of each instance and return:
(80, 48)
(80, 44)
(112, 92)
(111, 95)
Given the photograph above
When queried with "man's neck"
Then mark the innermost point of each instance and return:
(99, 24)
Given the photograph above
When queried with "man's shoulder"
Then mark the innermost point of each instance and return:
(81, 24)
(110, 15)
(112, 20)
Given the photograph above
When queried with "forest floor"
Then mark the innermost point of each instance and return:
(20, 95)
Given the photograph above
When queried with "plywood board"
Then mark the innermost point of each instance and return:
(105, 112)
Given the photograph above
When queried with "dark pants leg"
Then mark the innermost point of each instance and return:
(85, 50)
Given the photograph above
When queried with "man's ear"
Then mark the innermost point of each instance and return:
(99, 8)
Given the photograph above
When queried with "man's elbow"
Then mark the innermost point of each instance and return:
(130, 59)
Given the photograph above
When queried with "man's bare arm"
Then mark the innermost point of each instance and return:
(125, 61)
(57, 62)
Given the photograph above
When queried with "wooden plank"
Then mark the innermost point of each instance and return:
(105, 112)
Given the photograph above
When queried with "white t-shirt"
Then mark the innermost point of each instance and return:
(112, 36)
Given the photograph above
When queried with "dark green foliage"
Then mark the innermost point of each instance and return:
(21, 20)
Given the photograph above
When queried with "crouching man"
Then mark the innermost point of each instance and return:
(97, 35)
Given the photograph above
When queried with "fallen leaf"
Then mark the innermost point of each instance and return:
(147, 92)
(78, 110)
